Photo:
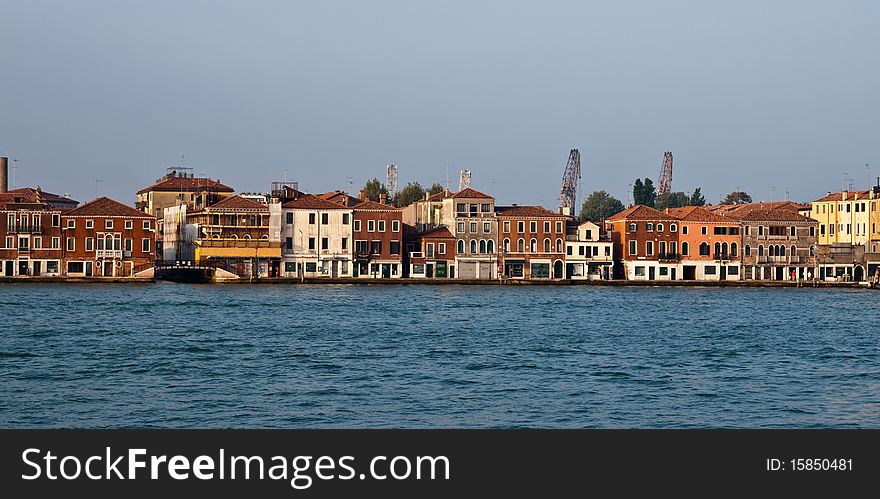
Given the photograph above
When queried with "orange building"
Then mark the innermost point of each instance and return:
(709, 245)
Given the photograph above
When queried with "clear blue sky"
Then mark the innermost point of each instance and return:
(754, 94)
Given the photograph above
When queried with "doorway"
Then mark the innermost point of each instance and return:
(557, 270)
(107, 270)
(38, 268)
(689, 272)
(88, 269)
(334, 269)
(22, 267)
(780, 273)
(672, 273)
(386, 271)
(10, 268)
(723, 273)
(651, 273)
(429, 270)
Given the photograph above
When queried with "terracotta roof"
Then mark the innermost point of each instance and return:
(844, 196)
(47, 196)
(106, 207)
(641, 212)
(699, 214)
(436, 233)
(374, 206)
(779, 214)
(527, 211)
(25, 201)
(742, 209)
(470, 193)
(176, 184)
(438, 196)
(312, 202)
(340, 197)
(237, 203)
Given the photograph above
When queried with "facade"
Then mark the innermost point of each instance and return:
(105, 238)
(872, 253)
(377, 232)
(708, 245)
(645, 244)
(589, 254)
(178, 188)
(62, 203)
(240, 236)
(532, 242)
(470, 216)
(844, 223)
(30, 234)
(427, 213)
(432, 254)
(779, 245)
(317, 238)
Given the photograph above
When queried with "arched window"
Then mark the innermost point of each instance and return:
(781, 251)
(812, 250)
(771, 250)
(659, 227)
(521, 245)
(673, 227)
(490, 246)
(704, 248)
(684, 248)
(559, 246)
(717, 249)
(482, 245)
(264, 236)
(546, 245)
(733, 249)
(460, 247)
(506, 246)
(473, 246)
(760, 250)
(793, 251)
(723, 248)
(533, 246)
(247, 237)
(235, 237)
(748, 250)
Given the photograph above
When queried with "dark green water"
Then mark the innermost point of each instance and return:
(169, 355)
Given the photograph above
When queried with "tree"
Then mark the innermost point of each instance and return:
(435, 188)
(599, 206)
(672, 200)
(737, 197)
(697, 198)
(373, 188)
(411, 193)
(644, 192)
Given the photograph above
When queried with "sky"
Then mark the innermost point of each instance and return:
(768, 97)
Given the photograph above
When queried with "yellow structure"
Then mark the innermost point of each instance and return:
(844, 217)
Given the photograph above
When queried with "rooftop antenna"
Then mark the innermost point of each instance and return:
(772, 190)
(350, 181)
(868, 173)
(787, 194)
(97, 180)
(843, 181)
(14, 167)
(447, 175)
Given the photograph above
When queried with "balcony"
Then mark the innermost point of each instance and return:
(25, 229)
(108, 253)
(24, 249)
(416, 254)
(668, 257)
(721, 257)
(782, 259)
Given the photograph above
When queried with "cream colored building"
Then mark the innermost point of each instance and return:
(316, 238)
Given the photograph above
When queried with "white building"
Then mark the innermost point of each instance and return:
(587, 254)
(316, 238)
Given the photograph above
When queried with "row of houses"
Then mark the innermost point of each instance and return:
(447, 235)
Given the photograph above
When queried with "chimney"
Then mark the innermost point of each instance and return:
(383, 198)
(427, 195)
(4, 174)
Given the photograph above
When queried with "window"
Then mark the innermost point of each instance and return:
(429, 250)
(733, 270)
(38, 242)
(632, 247)
(473, 227)
(505, 245)
(540, 270)
(473, 246)
(633, 227)
(709, 270)
(325, 243)
(704, 230)
(484, 207)
(371, 226)
(394, 247)
(146, 225)
(90, 224)
(56, 243)
(75, 267)
(482, 246)
(487, 227)
(733, 249)
(520, 227)
(473, 208)
(533, 246)
(108, 224)
(673, 227)
(521, 245)
(71, 223)
(660, 228)
(546, 227)
(704, 248)
(90, 244)
(719, 231)
(673, 247)
(589, 234)
(794, 231)
(344, 244)
(325, 218)
(664, 270)
(56, 220)
(649, 247)
(533, 227)
(311, 243)
(459, 227)
(684, 229)
(821, 230)
(289, 219)
(37, 221)
(640, 271)
(311, 266)
(559, 227)
(441, 248)
(760, 230)
(345, 218)
(23, 243)
(559, 245)
(460, 207)
(581, 250)
(381, 225)
(748, 250)
(649, 227)
(760, 250)
(10, 242)
(71, 244)
(460, 246)
(128, 245)
(375, 247)
(506, 227)
(490, 246)
(568, 250)
(357, 225)
(662, 248)
(311, 219)
(546, 246)
(395, 226)
(361, 247)
(129, 224)
(145, 245)
(685, 247)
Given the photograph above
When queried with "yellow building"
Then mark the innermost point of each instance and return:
(845, 229)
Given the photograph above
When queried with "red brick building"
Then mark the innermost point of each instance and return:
(30, 235)
(645, 244)
(377, 232)
(432, 254)
(105, 238)
(532, 242)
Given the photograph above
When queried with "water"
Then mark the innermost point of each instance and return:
(172, 355)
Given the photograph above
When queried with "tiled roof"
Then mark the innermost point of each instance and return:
(374, 206)
(47, 196)
(340, 197)
(777, 215)
(237, 203)
(106, 207)
(470, 193)
(742, 209)
(436, 233)
(25, 201)
(641, 212)
(177, 184)
(439, 196)
(312, 202)
(844, 196)
(527, 211)
(699, 214)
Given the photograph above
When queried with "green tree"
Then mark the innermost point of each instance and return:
(435, 188)
(373, 188)
(638, 192)
(672, 200)
(697, 198)
(599, 206)
(644, 192)
(411, 193)
(737, 197)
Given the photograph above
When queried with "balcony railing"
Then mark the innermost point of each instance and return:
(723, 256)
(782, 259)
(669, 257)
(105, 253)
(25, 229)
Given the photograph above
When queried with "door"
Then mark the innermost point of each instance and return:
(486, 270)
(386, 271)
(780, 274)
(672, 273)
(651, 271)
(429, 270)
(689, 272)
(10, 268)
(88, 269)
(467, 270)
(557, 270)
(723, 273)
(334, 269)
(38, 268)
(22, 267)
(108, 269)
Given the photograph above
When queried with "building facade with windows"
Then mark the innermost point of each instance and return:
(317, 238)
(645, 244)
(589, 254)
(470, 216)
(105, 238)
(532, 242)
(709, 245)
(844, 225)
(432, 254)
(778, 245)
(30, 234)
(377, 232)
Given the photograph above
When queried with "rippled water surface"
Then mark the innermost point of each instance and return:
(172, 355)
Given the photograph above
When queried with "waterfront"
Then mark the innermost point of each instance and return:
(170, 355)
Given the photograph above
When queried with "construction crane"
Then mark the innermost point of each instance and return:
(664, 184)
(464, 180)
(391, 181)
(570, 180)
